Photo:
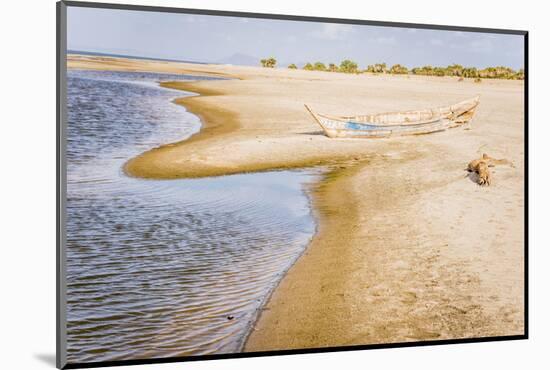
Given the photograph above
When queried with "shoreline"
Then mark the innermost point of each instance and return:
(316, 206)
(426, 255)
(163, 162)
(307, 190)
(140, 166)
(157, 163)
(321, 300)
(153, 163)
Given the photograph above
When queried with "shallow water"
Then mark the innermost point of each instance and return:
(159, 268)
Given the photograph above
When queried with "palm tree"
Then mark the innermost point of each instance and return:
(470, 72)
(269, 62)
(318, 66)
(520, 75)
(489, 72)
(439, 71)
(398, 69)
(454, 70)
(381, 67)
(348, 66)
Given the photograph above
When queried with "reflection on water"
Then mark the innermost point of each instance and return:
(160, 268)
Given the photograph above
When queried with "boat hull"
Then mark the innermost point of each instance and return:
(425, 128)
(398, 124)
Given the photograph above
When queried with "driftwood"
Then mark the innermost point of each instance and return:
(481, 168)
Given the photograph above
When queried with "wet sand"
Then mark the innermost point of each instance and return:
(408, 247)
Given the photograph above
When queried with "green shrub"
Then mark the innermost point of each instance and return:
(348, 66)
(318, 66)
(398, 69)
(453, 70)
(333, 67)
(268, 63)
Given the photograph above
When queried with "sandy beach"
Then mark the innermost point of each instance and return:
(408, 246)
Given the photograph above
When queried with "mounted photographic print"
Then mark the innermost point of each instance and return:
(238, 184)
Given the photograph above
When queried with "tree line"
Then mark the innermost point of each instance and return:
(457, 70)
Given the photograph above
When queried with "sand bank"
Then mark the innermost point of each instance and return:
(408, 248)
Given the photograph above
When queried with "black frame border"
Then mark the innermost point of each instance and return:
(61, 69)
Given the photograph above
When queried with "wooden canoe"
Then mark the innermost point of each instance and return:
(417, 122)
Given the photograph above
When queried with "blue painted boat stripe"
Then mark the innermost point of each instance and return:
(362, 126)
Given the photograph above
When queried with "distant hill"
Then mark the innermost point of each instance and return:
(240, 60)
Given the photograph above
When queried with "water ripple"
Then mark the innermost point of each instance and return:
(173, 267)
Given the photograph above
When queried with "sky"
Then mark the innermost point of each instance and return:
(237, 40)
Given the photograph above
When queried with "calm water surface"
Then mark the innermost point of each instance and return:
(171, 267)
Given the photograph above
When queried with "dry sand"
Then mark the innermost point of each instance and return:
(409, 248)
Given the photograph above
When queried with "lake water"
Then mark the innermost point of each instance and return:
(163, 268)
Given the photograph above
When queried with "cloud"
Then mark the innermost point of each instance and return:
(436, 42)
(333, 31)
(515, 52)
(189, 18)
(481, 45)
(388, 40)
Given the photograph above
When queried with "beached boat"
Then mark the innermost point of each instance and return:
(416, 122)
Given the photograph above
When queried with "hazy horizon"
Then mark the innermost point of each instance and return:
(238, 40)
